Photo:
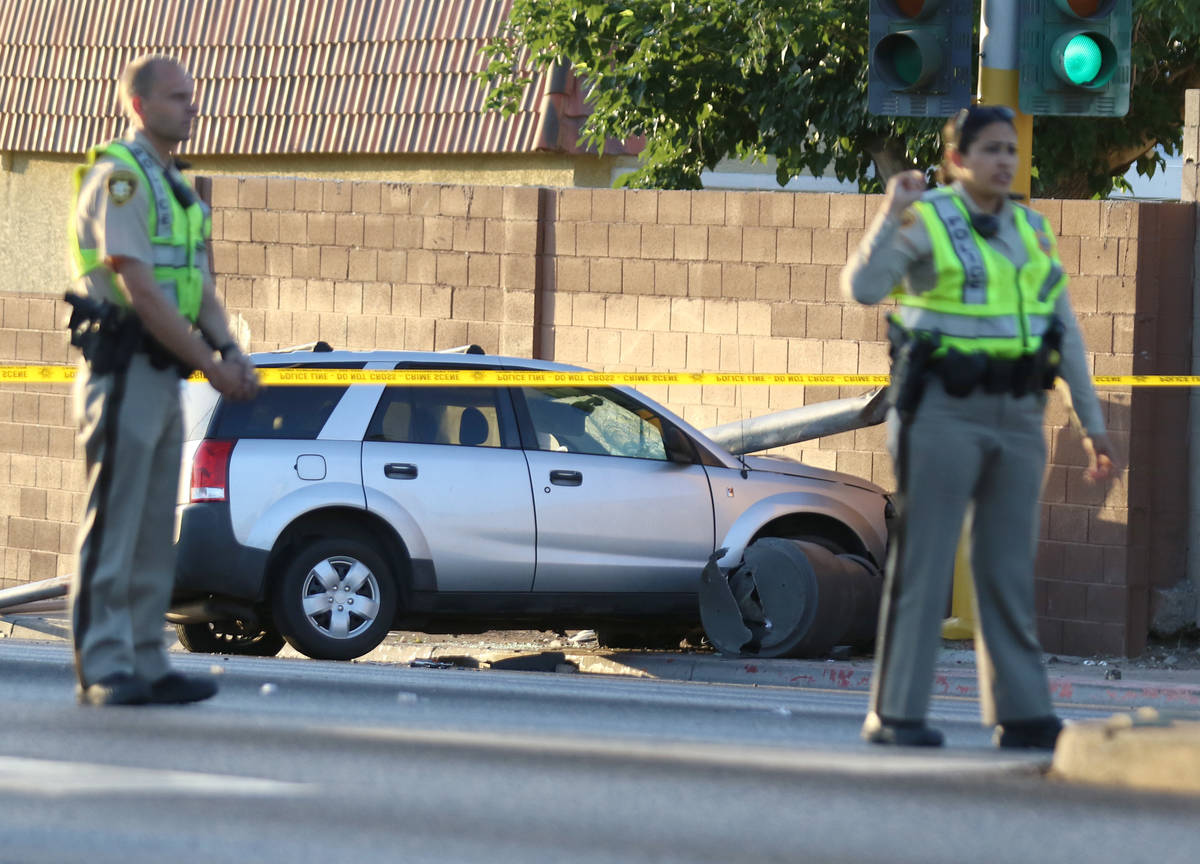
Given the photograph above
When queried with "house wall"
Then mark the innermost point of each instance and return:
(665, 281)
(35, 193)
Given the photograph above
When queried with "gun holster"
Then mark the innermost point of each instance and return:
(107, 335)
(911, 352)
(1048, 358)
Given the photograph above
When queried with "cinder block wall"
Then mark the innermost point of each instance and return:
(665, 281)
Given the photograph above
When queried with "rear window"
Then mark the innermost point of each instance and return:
(281, 412)
(199, 400)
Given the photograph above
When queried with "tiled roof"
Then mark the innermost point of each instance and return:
(273, 76)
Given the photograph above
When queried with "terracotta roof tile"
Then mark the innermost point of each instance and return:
(272, 76)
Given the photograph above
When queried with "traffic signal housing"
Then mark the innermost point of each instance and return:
(920, 58)
(1075, 57)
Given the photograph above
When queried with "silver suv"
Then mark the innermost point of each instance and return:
(329, 515)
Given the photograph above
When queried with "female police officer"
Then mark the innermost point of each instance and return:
(982, 326)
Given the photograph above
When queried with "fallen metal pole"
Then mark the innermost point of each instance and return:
(801, 424)
(43, 589)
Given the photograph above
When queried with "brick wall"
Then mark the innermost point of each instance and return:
(661, 280)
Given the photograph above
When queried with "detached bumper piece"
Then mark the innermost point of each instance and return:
(789, 598)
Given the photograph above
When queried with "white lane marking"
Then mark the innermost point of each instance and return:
(53, 777)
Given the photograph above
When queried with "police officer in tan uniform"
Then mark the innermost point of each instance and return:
(983, 325)
(144, 299)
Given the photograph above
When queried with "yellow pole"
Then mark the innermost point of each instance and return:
(999, 84)
(962, 621)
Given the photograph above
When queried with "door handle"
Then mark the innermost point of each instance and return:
(400, 470)
(566, 478)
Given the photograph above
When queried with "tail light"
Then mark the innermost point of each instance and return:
(210, 471)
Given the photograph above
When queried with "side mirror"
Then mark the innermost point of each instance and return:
(679, 446)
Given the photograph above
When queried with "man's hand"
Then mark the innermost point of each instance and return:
(248, 369)
(903, 190)
(235, 378)
(1102, 462)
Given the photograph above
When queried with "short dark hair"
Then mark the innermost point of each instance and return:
(139, 77)
(963, 128)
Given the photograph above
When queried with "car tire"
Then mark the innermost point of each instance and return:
(315, 596)
(229, 638)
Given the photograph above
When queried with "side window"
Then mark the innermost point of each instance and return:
(279, 412)
(460, 416)
(602, 422)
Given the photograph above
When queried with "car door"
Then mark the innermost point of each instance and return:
(614, 511)
(444, 465)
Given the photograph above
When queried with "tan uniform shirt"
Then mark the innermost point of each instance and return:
(112, 216)
(895, 251)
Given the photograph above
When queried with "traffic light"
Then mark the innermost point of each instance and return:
(1075, 57)
(920, 57)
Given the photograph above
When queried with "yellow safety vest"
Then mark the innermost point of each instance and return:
(177, 232)
(981, 302)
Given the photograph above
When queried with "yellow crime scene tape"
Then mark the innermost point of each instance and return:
(280, 377)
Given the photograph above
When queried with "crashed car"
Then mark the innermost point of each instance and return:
(328, 515)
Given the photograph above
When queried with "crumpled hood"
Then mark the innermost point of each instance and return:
(784, 465)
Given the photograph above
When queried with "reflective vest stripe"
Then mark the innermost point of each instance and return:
(961, 326)
(162, 204)
(1038, 324)
(1052, 279)
(1038, 223)
(962, 237)
(170, 256)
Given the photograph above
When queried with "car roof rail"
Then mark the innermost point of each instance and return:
(462, 349)
(320, 346)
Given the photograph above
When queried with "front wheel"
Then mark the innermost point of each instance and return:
(335, 600)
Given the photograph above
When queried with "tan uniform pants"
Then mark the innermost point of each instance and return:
(989, 450)
(131, 429)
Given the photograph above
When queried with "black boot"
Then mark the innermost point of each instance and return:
(120, 688)
(175, 688)
(1037, 734)
(900, 733)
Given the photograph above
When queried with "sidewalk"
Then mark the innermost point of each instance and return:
(1152, 742)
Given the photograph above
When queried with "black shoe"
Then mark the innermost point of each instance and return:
(120, 688)
(1039, 734)
(175, 688)
(900, 733)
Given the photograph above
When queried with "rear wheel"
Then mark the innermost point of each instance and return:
(336, 599)
(229, 637)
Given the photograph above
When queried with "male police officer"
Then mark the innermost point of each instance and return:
(138, 237)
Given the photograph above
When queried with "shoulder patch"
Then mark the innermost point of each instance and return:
(908, 217)
(121, 186)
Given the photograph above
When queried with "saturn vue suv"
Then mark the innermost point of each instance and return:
(327, 516)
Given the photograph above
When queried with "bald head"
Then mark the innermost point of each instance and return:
(140, 76)
(158, 96)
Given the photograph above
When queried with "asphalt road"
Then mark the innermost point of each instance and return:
(303, 761)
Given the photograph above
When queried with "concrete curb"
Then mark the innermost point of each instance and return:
(844, 676)
(1140, 751)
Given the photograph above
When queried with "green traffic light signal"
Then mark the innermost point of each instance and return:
(1075, 57)
(1085, 59)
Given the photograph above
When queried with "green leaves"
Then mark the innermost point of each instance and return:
(787, 79)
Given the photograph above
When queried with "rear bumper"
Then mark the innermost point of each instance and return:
(210, 560)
